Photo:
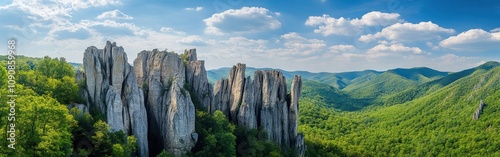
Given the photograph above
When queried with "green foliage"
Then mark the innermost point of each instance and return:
(58, 82)
(333, 97)
(3, 76)
(215, 135)
(43, 126)
(164, 153)
(55, 68)
(252, 142)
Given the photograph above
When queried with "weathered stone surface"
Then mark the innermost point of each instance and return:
(180, 121)
(170, 110)
(191, 55)
(247, 113)
(221, 97)
(196, 78)
(110, 88)
(300, 146)
(237, 82)
(137, 113)
(293, 111)
(262, 102)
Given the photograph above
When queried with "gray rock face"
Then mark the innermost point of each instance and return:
(247, 112)
(237, 82)
(262, 102)
(191, 55)
(196, 78)
(220, 99)
(111, 89)
(180, 121)
(170, 110)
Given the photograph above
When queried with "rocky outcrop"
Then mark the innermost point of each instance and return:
(479, 110)
(111, 89)
(171, 112)
(263, 102)
(155, 99)
(196, 79)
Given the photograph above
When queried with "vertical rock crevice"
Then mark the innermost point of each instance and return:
(171, 112)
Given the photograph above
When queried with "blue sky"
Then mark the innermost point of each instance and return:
(315, 35)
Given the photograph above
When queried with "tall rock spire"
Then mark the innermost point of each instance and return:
(111, 89)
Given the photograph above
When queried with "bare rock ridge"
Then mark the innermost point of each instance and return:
(170, 110)
(111, 89)
(262, 102)
(476, 114)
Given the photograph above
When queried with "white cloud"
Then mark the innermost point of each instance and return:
(294, 44)
(194, 9)
(327, 25)
(343, 49)
(171, 30)
(473, 40)
(192, 40)
(244, 20)
(115, 14)
(409, 32)
(382, 50)
(495, 30)
(47, 9)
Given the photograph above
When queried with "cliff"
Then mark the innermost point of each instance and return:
(111, 89)
(170, 109)
(261, 102)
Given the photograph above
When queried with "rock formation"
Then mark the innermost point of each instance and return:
(155, 99)
(262, 102)
(476, 114)
(111, 89)
(171, 112)
(196, 78)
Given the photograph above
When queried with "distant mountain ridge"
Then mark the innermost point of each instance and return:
(341, 80)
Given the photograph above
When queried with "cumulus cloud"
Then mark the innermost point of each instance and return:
(383, 50)
(343, 49)
(47, 9)
(473, 40)
(409, 32)
(327, 25)
(194, 9)
(115, 14)
(294, 44)
(171, 30)
(192, 40)
(244, 20)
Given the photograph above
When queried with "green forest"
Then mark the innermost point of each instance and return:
(401, 112)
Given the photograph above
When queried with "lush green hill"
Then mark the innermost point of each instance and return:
(383, 84)
(426, 88)
(438, 123)
(420, 74)
(333, 97)
(391, 81)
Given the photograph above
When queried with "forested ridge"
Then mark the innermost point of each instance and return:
(437, 123)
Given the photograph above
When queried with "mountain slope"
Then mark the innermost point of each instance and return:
(391, 81)
(437, 124)
(423, 89)
(332, 96)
